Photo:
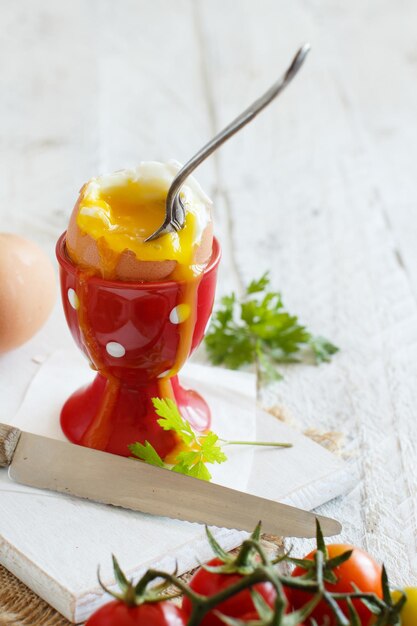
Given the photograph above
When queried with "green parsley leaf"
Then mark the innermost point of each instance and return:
(199, 470)
(146, 452)
(322, 349)
(171, 419)
(200, 449)
(267, 369)
(257, 329)
(210, 449)
(255, 286)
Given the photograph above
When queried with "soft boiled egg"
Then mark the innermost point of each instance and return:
(115, 213)
(27, 290)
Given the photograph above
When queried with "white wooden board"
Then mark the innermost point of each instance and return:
(54, 543)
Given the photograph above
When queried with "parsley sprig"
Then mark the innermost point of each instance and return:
(256, 329)
(199, 449)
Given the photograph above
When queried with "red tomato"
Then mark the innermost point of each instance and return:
(208, 584)
(359, 569)
(118, 613)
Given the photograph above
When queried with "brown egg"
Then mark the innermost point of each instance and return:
(27, 290)
(90, 254)
(84, 251)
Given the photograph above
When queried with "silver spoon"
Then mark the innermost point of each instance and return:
(175, 212)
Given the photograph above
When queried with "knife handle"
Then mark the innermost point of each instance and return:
(9, 436)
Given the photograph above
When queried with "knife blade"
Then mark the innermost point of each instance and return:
(74, 470)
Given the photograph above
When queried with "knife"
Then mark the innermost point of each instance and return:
(103, 477)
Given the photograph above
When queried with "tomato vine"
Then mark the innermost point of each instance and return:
(251, 568)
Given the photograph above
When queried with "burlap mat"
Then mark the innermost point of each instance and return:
(19, 606)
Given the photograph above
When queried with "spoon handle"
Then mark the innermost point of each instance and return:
(238, 123)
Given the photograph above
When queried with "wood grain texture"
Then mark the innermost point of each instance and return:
(322, 229)
(321, 190)
(9, 437)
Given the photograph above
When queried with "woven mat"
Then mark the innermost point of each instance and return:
(19, 606)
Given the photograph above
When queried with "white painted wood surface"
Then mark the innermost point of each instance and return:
(321, 189)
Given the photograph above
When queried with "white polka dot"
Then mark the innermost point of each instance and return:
(115, 349)
(164, 374)
(179, 314)
(73, 298)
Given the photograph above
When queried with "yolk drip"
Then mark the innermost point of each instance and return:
(121, 218)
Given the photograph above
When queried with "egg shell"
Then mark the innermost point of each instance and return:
(27, 290)
(83, 250)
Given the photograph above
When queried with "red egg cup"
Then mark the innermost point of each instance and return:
(133, 334)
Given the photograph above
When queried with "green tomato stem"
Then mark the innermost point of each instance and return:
(249, 546)
(372, 597)
(265, 571)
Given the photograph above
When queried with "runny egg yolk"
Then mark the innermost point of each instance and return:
(122, 217)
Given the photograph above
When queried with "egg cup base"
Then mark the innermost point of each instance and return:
(124, 415)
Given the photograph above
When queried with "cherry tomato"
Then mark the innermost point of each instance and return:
(360, 569)
(409, 612)
(118, 613)
(208, 584)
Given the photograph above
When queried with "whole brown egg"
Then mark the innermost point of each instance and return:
(27, 290)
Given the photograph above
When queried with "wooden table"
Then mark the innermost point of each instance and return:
(321, 190)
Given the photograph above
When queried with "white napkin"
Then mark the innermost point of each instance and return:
(230, 395)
